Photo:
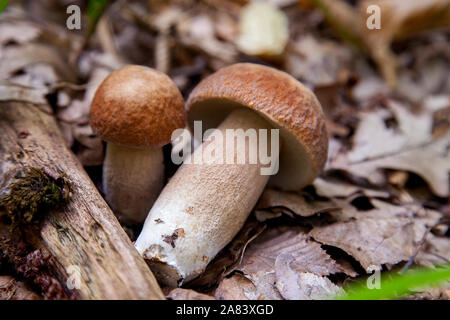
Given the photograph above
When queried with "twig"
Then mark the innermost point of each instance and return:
(419, 247)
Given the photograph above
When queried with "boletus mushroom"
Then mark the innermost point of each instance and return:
(135, 109)
(205, 204)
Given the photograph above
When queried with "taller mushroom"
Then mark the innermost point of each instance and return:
(135, 109)
(205, 204)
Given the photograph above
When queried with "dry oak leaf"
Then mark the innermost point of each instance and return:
(294, 202)
(440, 293)
(259, 263)
(236, 287)
(409, 147)
(10, 91)
(317, 61)
(187, 294)
(198, 32)
(371, 242)
(17, 57)
(308, 255)
(332, 188)
(78, 110)
(17, 32)
(385, 210)
(374, 139)
(295, 285)
(431, 162)
(265, 288)
(387, 234)
(435, 251)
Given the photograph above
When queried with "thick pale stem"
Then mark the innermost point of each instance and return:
(205, 204)
(132, 180)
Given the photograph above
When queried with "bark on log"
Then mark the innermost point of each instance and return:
(83, 233)
(13, 289)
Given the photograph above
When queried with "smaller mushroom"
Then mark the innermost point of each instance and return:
(205, 204)
(135, 109)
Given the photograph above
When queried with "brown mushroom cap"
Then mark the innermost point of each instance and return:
(280, 99)
(137, 106)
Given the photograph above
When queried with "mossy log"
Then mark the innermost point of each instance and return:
(83, 234)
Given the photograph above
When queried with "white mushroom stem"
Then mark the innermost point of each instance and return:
(132, 180)
(203, 206)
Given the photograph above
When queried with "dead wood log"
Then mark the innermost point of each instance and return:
(13, 289)
(83, 234)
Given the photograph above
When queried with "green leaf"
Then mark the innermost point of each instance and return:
(3, 4)
(394, 285)
(94, 12)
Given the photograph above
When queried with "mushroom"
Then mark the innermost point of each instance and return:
(205, 204)
(135, 109)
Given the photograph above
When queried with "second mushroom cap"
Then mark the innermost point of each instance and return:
(137, 106)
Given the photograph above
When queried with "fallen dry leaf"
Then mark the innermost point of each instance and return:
(302, 285)
(187, 294)
(17, 32)
(78, 110)
(236, 287)
(435, 251)
(369, 87)
(368, 207)
(410, 146)
(16, 92)
(387, 234)
(417, 86)
(385, 210)
(440, 293)
(90, 151)
(293, 202)
(318, 62)
(265, 284)
(18, 57)
(309, 256)
(305, 256)
(370, 139)
(430, 161)
(333, 188)
(198, 32)
(371, 242)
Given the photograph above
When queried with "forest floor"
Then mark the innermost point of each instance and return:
(382, 202)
